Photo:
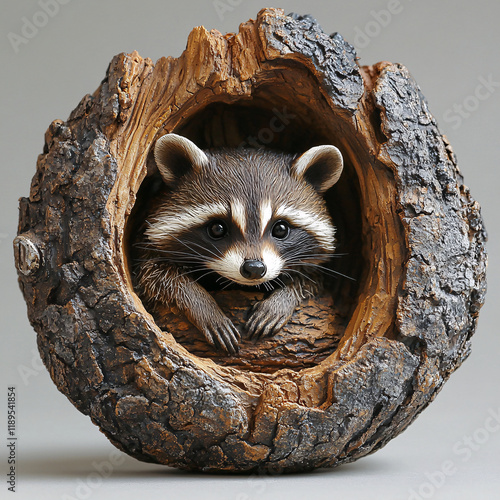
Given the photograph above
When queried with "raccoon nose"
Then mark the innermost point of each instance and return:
(253, 269)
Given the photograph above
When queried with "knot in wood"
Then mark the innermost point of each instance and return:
(27, 255)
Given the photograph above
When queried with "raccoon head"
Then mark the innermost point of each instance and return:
(248, 215)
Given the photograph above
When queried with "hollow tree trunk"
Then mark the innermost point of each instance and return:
(355, 366)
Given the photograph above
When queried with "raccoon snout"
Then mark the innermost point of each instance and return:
(253, 269)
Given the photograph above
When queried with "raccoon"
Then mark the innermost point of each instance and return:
(250, 217)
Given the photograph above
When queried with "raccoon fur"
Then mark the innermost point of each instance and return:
(249, 217)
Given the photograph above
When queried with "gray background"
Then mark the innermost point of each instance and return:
(451, 47)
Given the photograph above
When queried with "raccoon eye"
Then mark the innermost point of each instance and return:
(216, 229)
(280, 230)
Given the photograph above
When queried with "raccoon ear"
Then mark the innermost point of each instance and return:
(320, 166)
(175, 156)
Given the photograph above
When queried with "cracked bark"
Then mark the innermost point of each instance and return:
(356, 365)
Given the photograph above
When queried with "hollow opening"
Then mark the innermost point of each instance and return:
(271, 119)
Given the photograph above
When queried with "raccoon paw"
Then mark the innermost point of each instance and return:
(269, 316)
(221, 333)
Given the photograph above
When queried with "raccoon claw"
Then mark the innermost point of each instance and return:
(222, 334)
(265, 322)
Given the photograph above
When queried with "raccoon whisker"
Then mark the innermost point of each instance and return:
(301, 274)
(173, 252)
(143, 245)
(306, 258)
(229, 283)
(279, 282)
(152, 247)
(183, 259)
(185, 274)
(177, 253)
(206, 249)
(327, 270)
(203, 275)
(187, 246)
(224, 281)
(187, 259)
(156, 259)
(323, 255)
(193, 257)
(191, 271)
(199, 246)
(299, 262)
(304, 254)
(186, 263)
(219, 252)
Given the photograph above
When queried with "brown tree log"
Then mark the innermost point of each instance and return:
(355, 366)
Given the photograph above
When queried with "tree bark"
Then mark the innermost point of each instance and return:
(355, 366)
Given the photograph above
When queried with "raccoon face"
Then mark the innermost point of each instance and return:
(249, 216)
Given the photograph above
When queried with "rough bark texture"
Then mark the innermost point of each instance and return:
(379, 349)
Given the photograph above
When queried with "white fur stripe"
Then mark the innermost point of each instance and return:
(229, 266)
(184, 219)
(319, 226)
(266, 212)
(239, 215)
(274, 263)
